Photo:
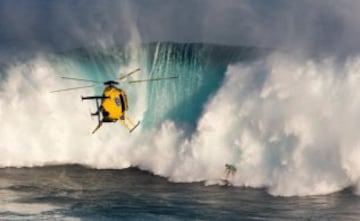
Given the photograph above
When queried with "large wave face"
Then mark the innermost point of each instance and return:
(289, 125)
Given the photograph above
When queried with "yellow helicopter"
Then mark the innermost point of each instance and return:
(112, 104)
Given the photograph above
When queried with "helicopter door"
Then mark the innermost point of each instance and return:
(122, 101)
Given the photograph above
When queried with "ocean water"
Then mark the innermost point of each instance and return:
(288, 123)
(77, 193)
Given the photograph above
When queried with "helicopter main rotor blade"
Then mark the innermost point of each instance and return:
(81, 79)
(153, 79)
(71, 88)
(128, 74)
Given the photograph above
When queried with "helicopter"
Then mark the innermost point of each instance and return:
(112, 105)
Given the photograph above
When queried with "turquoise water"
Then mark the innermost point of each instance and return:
(200, 67)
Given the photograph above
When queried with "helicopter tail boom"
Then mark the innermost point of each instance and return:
(97, 113)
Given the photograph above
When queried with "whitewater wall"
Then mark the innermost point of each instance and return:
(42, 128)
(288, 124)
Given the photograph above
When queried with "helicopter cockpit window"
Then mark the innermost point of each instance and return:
(117, 101)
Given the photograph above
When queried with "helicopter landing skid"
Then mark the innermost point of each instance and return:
(135, 126)
(97, 127)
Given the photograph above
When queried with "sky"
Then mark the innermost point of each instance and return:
(324, 26)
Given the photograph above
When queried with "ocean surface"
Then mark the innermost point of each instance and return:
(287, 123)
(74, 192)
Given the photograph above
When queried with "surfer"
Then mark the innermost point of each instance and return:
(230, 171)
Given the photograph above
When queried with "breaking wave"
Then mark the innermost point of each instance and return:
(289, 125)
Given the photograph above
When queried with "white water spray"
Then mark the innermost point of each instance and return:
(290, 126)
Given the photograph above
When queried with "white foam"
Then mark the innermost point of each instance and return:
(288, 125)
